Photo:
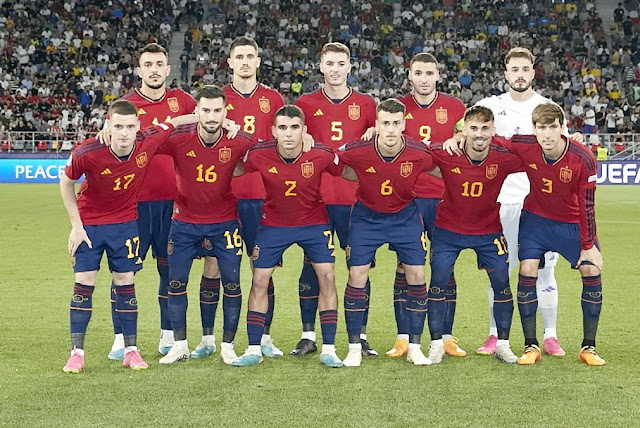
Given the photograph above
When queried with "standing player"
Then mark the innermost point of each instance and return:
(431, 116)
(469, 217)
(156, 103)
(334, 115)
(253, 106)
(294, 213)
(512, 111)
(387, 169)
(103, 219)
(205, 212)
(558, 215)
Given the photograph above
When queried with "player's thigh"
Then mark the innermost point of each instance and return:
(123, 247)
(250, 214)
(227, 248)
(270, 244)
(317, 243)
(510, 220)
(184, 241)
(444, 253)
(145, 226)
(162, 212)
(491, 251)
(533, 239)
(427, 207)
(88, 259)
(405, 231)
(339, 217)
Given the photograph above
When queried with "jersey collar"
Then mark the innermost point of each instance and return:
(331, 99)
(404, 146)
(566, 149)
(428, 106)
(297, 158)
(240, 94)
(206, 146)
(117, 158)
(151, 100)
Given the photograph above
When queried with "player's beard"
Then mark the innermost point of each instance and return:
(155, 86)
(209, 130)
(513, 85)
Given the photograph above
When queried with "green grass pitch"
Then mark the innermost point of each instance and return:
(35, 288)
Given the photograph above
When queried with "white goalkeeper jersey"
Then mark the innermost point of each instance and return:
(513, 117)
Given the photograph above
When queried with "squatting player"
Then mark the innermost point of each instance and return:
(334, 115)
(205, 212)
(252, 106)
(156, 103)
(387, 169)
(432, 116)
(103, 218)
(469, 217)
(558, 215)
(294, 213)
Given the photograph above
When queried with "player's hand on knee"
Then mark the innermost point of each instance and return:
(307, 142)
(454, 145)
(369, 133)
(77, 236)
(592, 255)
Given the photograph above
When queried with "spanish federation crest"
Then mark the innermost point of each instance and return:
(174, 106)
(170, 247)
(406, 168)
(265, 105)
(224, 154)
(565, 174)
(492, 171)
(441, 116)
(207, 244)
(307, 169)
(141, 160)
(354, 112)
(255, 253)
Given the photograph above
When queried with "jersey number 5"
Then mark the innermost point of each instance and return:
(336, 128)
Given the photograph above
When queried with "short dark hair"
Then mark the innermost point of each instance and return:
(153, 48)
(243, 41)
(291, 111)
(211, 92)
(424, 57)
(391, 105)
(122, 107)
(481, 113)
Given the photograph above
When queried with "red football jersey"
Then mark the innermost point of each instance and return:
(160, 183)
(334, 124)
(109, 192)
(255, 114)
(564, 190)
(386, 186)
(436, 123)
(204, 174)
(293, 188)
(469, 205)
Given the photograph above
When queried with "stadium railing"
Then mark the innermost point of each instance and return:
(620, 146)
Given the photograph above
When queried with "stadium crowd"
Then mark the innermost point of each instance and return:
(62, 64)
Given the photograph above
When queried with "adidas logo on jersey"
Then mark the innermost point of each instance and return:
(230, 107)
(139, 261)
(456, 170)
(273, 170)
(191, 154)
(141, 111)
(371, 169)
(106, 172)
(534, 166)
(408, 116)
(318, 113)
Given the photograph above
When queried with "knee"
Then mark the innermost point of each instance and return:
(211, 269)
(589, 270)
(123, 278)
(358, 276)
(414, 274)
(529, 268)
